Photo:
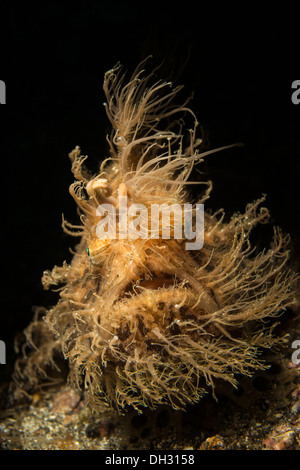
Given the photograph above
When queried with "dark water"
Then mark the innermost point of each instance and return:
(53, 57)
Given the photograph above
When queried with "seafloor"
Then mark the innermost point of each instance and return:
(263, 413)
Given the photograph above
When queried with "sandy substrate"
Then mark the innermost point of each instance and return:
(264, 413)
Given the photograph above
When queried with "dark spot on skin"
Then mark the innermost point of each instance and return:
(123, 332)
(152, 345)
(190, 316)
(183, 310)
(186, 314)
(171, 317)
(97, 284)
(141, 325)
(76, 283)
(161, 305)
(88, 296)
(174, 329)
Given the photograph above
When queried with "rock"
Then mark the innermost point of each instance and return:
(65, 401)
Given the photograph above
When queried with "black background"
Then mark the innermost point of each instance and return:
(53, 58)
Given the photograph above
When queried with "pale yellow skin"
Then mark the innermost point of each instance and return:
(144, 322)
